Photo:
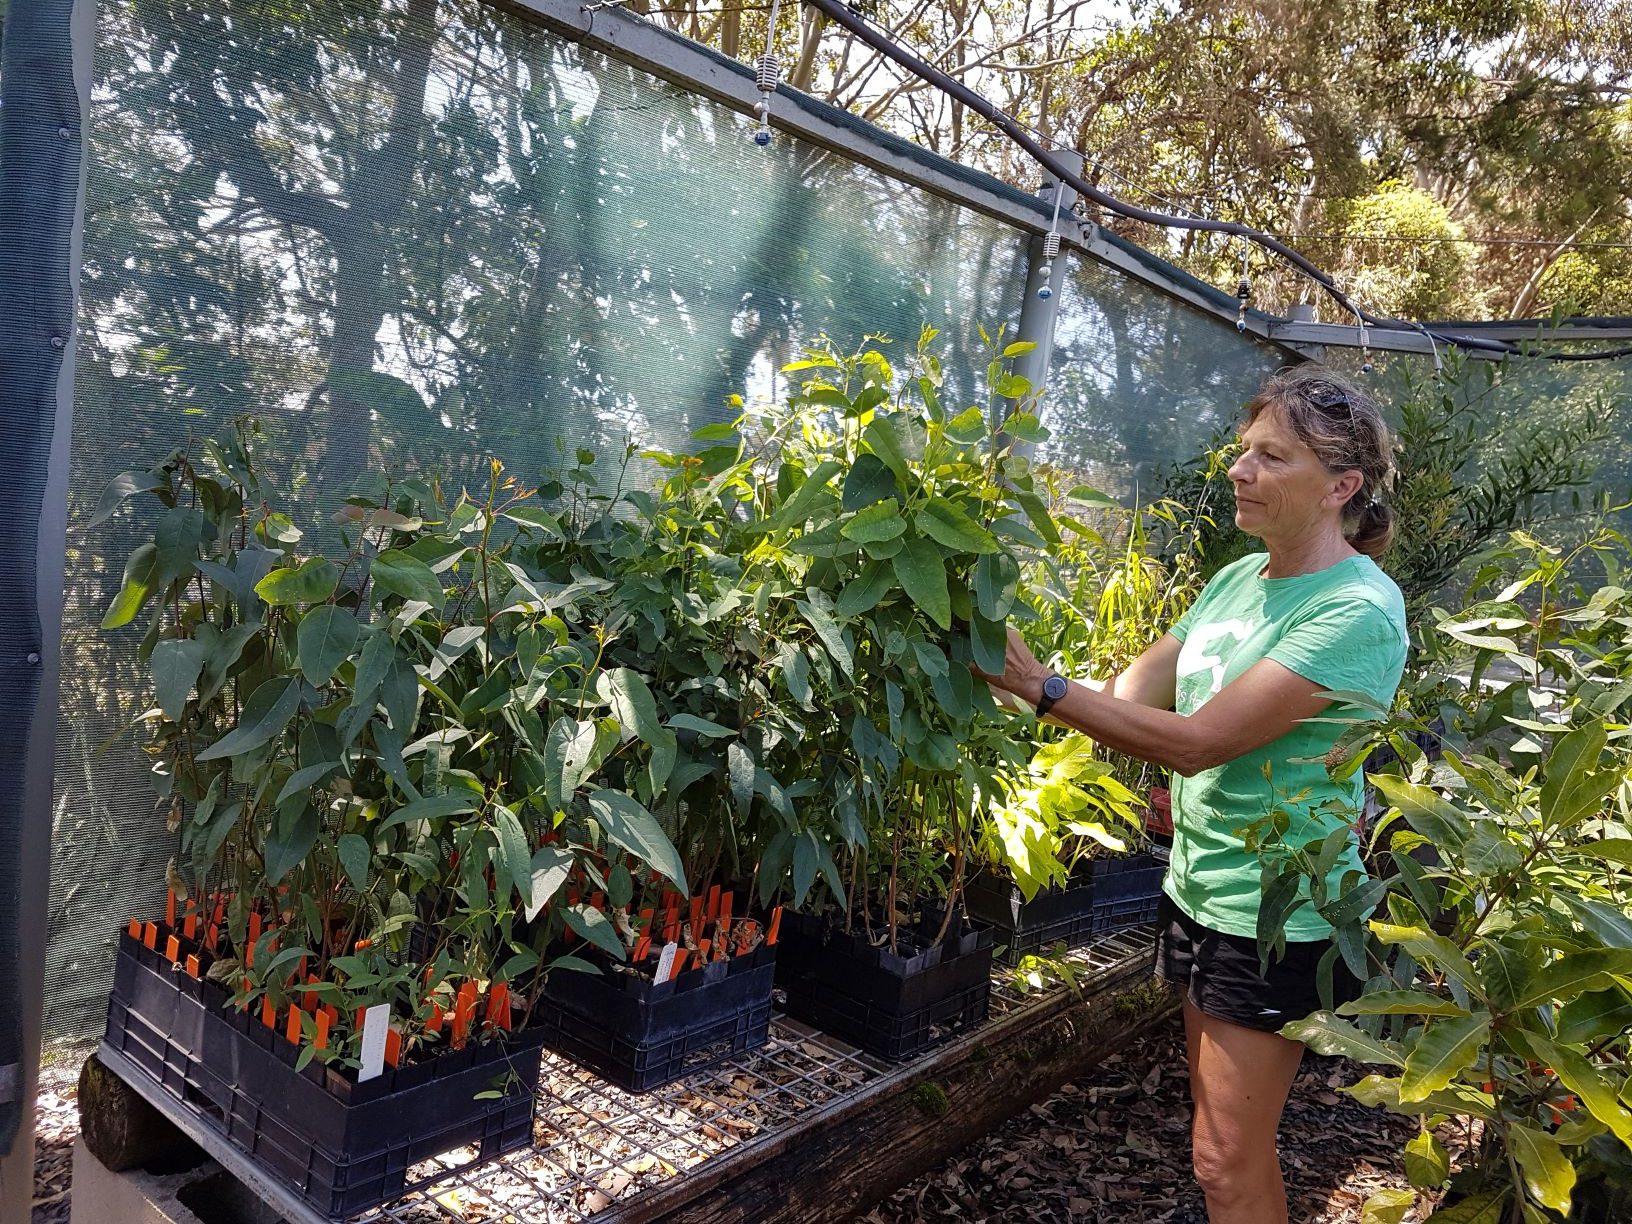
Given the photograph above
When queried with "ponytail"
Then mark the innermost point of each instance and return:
(1372, 529)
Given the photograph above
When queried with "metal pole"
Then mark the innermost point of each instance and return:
(1039, 310)
(44, 127)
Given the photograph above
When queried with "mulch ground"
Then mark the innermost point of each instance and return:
(1114, 1148)
(1111, 1147)
(56, 1126)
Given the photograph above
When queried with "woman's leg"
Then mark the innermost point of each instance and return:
(1239, 1081)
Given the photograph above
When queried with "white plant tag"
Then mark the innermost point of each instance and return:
(376, 1023)
(665, 962)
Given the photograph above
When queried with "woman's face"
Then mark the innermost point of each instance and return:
(1282, 489)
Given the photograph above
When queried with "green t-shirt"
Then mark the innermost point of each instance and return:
(1342, 627)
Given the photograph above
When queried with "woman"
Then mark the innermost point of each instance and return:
(1227, 692)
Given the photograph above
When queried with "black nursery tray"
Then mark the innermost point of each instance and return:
(640, 1034)
(889, 1004)
(1114, 893)
(340, 1145)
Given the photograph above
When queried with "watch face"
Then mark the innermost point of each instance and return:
(1054, 688)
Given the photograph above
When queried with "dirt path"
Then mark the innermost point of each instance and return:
(1114, 1148)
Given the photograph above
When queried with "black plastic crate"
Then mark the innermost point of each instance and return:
(341, 1145)
(890, 1005)
(1126, 892)
(640, 1034)
(1054, 916)
(1109, 894)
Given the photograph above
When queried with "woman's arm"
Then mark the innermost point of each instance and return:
(1151, 679)
(1262, 704)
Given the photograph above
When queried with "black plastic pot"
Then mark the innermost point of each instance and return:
(1106, 895)
(1054, 916)
(641, 1034)
(341, 1145)
(889, 1004)
(1126, 892)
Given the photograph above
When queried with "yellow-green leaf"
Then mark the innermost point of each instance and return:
(1427, 1163)
(1549, 1177)
(1441, 1053)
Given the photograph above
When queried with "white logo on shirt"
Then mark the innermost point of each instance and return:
(1196, 655)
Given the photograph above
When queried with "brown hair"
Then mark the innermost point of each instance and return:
(1345, 428)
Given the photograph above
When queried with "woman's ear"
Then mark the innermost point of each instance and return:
(1345, 487)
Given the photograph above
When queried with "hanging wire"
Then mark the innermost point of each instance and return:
(1051, 247)
(767, 76)
(1243, 289)
(885, 45)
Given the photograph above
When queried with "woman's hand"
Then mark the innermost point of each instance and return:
(1022, 674)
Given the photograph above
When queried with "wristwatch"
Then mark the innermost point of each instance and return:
(1053, 689)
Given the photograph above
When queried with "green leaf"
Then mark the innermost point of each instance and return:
(293, 835)
(989, 642)
(1573, 973)
(637, 831)
(1357, 903)
(804, 865)
(551, 866)
(141, 574)
(796, 509)
(819, 616)
(868, 482)
(1490, 853)
(400, 573)
(1427, 1163)
(379, 652)
(306, 777)
(997, 581)
(1579, 1075)
(741, 769)
(1448, 1048)
(1425, 811)
(597, 928)
(1037, 512)
(862, 593)
(1377, 1090)
(1549, 1177)
(432, 807)
(882, 438)
(1019, 347)
(1573, 758)
(1024, 426)
(702, 726)
(632, 703)
(1325, 1034)
(116, 491)
(968, 427)
(1489, 1207)
(354, 855)
(512, 852)
(1401, 1003)
(946, 523)
(1593, 1016)
(327, 634)
(176, 663)
(1387, 1207)
(921, 571)
(881, 521)
(265, 714)
(1427, 945)
(569, 757)
(312, 581)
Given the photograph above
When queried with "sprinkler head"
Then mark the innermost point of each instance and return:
(1241, 325)
(1365, 368)
(762, 137)
(1045, 293)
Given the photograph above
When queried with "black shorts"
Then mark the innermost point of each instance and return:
(1219, 973)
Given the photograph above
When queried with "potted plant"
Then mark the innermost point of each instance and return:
(905, 527)
(380, 825)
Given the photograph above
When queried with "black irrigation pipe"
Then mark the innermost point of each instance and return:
(888, 47)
